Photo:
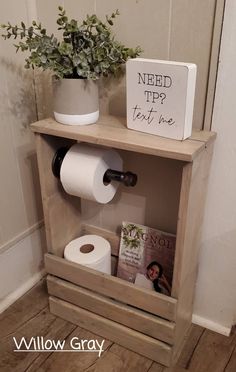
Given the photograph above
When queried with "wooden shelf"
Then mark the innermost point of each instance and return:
(146, 322)
(112, 132)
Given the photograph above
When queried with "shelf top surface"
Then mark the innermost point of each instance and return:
(112, 131)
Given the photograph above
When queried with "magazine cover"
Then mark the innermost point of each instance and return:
(146, 257)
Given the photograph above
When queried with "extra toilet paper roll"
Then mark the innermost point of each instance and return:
(90, 250)
(83, 169)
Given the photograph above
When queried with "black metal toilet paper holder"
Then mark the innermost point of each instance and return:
(127, 178)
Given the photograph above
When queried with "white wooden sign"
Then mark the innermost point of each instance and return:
(160, 97)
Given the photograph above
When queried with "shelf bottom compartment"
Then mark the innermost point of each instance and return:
(112, 287)
(136, 319)
(122, 335)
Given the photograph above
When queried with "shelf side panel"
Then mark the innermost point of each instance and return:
(191, 213)
(61, 211)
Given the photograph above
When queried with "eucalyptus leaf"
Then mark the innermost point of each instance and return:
(87, 50)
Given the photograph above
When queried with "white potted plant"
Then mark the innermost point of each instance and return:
(86, 52)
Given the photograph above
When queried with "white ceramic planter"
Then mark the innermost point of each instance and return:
(75, 101)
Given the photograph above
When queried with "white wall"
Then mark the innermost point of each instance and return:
(215, 303)
(21, 266)
(20, 200)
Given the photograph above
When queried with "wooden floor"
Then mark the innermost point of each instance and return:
(205, 351)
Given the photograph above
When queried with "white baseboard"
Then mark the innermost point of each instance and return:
(21, 265)
(25, 287)
(209, 324)
(20, 291)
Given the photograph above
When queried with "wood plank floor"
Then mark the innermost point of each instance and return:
(205, 351)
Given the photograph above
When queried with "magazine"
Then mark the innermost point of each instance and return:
(146, 257)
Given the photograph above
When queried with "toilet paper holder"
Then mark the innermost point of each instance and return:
(127, 178)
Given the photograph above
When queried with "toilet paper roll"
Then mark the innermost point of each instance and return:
(83, 169)
(90, 250)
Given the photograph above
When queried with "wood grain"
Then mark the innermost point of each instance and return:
(74, 361)
(175, 369)
(63, 223)
(133, 318)
(204, 350)
(113, 238)
(118, 359)
(212, 352)
(61, 211)
(191, 211)
(111, 131)
(108, 285)
(24, 309)
(156, 367)
(194, 337)
(231, 365)
(132, 340)
(43, 324)
(59, 330)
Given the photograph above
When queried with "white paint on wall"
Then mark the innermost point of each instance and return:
(21, 252)
(31, 10)
(21, 267)
(216, 286)
(20, 236)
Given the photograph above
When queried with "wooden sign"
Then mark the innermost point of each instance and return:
(160, 97)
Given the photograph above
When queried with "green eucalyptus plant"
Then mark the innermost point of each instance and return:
(87, 50)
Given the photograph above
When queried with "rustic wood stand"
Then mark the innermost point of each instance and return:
(146, 322)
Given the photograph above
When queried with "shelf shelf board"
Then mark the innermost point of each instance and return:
(112, 131)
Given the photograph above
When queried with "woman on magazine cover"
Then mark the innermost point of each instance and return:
(154, 279)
